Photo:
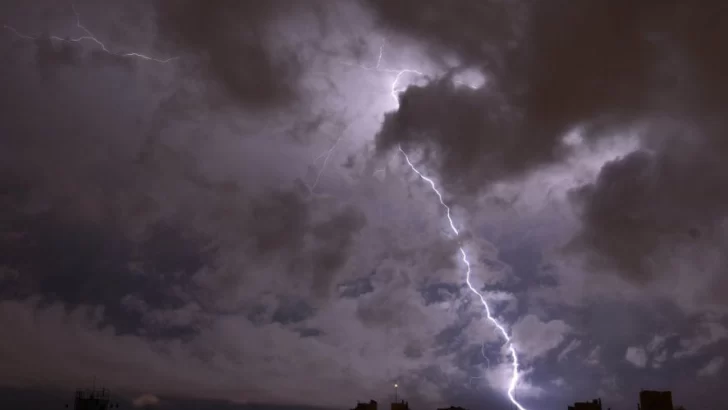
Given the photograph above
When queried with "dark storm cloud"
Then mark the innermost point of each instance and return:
(603, 66)
(643, 200)
(335, 238)
(88, 263)
(278, 222)
(355, 288)
(555, 67)
(282, 225)
(439, 292)
(234, 37)
(461, 131)
(292, 311)
(128, 206)
(669, 201)
(475, 30)
(50, 55)
(52, 158)
(76, 163)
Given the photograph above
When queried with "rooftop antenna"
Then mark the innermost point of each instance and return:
(396, 386)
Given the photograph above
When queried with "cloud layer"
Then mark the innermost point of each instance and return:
(220, 225)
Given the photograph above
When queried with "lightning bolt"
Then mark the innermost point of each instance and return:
(515, 374)
(88, 36)
(395, 89)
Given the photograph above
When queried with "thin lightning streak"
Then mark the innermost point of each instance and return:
(88, 37)
(326, 155)
(394, 91)
(482, 351)
(515, 375)
(378, 68)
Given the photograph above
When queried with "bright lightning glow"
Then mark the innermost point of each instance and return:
(326, 155)
(89, 36)
(398, 73)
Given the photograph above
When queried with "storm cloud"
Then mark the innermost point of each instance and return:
(235, 42)
(604, 69)
(233, 220)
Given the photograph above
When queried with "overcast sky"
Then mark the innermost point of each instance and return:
(207, 203)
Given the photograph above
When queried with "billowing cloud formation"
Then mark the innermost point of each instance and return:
(637, 356)
(184, 253)
(604, 68)
(543, 79)
(236, 42)
(464, 130)
(628, 224)
(217, 226)
(537, 337)
(712, 368)
(707, 334)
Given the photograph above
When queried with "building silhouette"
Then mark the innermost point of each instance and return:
(452, 408)
(372, 405)
(400, 405)
(655, 400)
(595, 404)
(93, 399)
